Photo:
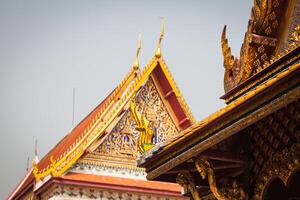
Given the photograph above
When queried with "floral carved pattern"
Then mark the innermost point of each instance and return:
(122, 140)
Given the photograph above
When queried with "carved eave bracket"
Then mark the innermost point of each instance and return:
(206, 170)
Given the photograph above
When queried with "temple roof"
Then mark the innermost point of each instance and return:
(70, 148)
(77, 143)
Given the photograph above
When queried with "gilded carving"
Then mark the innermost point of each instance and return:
(267, 64)
(146, 136)
(295, 38)
(149, 102)
(282, 165)
(230, 63)
(147, 121)
(205, 169)
(271, 134)
(122, 139)
(259, 44)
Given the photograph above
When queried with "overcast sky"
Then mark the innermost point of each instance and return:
(47, 48)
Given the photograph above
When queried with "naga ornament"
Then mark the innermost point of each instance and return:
(145, 140)
(231, 64)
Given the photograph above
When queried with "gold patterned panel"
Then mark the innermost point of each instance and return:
(295, 38)
(260, 42)
(150, 103)
(281, 165)
(123, 139)
(271, 135)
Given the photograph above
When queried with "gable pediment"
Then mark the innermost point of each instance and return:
(120, 145)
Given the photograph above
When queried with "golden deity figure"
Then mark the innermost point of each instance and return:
(145, 141)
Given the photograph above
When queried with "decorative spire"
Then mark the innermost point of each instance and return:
(226, 51)
(36, 159)
(162, 33)
(136, 61)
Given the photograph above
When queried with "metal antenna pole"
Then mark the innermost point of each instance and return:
(27, 164)
(73, 114)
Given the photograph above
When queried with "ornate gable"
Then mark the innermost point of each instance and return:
(120, 146)
(158, 109)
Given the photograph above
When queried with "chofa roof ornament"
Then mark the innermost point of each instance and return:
(162, 33)
(136, 61)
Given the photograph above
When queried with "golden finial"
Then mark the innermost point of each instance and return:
(136, 61)
(226, 51)
(36, 159)
(162, 33)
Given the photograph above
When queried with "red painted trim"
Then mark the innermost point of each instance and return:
(184, 121)
(169, 94)
(171, 98)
